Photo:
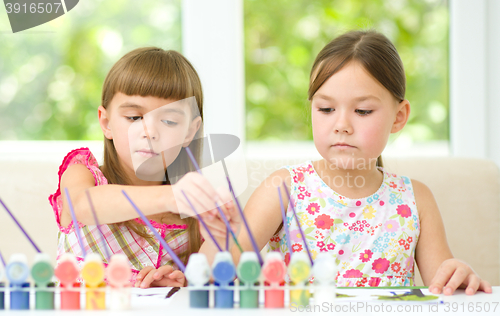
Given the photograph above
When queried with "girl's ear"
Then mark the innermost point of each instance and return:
(402, 115)
(104, 122)
(193, 128)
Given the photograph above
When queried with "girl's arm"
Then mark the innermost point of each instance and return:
(111, 206)
(263, 214)
(435, 261)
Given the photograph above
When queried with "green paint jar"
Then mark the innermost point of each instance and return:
(44, 297)
(248, 273)
(249, 298)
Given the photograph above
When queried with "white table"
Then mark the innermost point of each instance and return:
(178, 305)
(457, 304)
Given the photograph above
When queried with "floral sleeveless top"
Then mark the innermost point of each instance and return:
(372, 238)
(141, 252)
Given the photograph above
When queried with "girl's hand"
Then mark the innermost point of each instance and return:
(163, 276)
(216, 224)
(200, 193)
(453, 274)
(205, 199)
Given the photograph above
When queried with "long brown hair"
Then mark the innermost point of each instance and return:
(152, 71)
(373, 51)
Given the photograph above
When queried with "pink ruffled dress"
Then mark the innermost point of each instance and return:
(141, 252)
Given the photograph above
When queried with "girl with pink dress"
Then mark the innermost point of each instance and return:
(151, 111)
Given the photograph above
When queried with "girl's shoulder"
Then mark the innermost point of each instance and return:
(421, 193)
(395, 180)
(80, 156)
(293, 173)
(301, 168)
(424, 198)
(83, 156)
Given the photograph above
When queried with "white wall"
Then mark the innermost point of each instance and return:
(475, 79)
(212, 39)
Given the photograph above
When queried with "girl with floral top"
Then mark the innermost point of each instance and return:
(151, 111)
(375, 223)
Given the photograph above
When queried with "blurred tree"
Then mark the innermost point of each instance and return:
(283, 37)
(51, 76)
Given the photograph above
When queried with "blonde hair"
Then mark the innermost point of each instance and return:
(166, 74)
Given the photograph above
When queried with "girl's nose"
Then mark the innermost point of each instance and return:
(343, 125)
(343, 129)
(149, 131)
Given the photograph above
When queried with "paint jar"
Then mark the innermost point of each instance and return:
(95, 297)
(274, 271)
(44, 296)
(325, 272)
(20, 296)
(93, 270)
(119, 298)
(93, 276)
(42, 270)
(248, 273)
(223, 272)
(70, 297)
(299, 271)
(118, 274)
(2, 295)
(198, 274)
(17, 272)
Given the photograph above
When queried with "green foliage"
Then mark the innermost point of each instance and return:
(51, 76)
(283, 37)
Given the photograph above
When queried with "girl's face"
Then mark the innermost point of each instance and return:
(148, 133)
(353, 116)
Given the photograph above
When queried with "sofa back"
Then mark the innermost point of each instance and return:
(467, 192)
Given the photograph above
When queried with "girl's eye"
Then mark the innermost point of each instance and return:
(169, 123)
(364, 112)
(134, 118)
(326, 110)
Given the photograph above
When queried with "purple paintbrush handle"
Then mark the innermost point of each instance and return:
(298, 224)
(19, 225)
(97, 223)
(285, 223)
(157, 235)
(3, 261)
(190, 154)
(75, 222)
(202, 221)
(252, 239)
(195, 164)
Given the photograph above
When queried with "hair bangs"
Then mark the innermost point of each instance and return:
(156, 74)
(372, 50)
(324, 70)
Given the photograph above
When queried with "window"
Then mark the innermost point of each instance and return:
(51, 76)
(282, 39)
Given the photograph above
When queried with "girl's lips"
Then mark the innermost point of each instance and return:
(147, 154)
(343, 146)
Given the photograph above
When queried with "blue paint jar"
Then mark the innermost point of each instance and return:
(20, 296)
(223, 271)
